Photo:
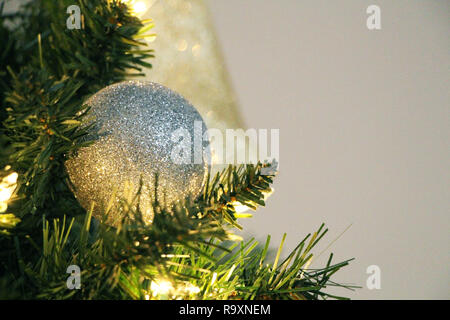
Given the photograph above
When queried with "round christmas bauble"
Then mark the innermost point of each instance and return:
(139, 130)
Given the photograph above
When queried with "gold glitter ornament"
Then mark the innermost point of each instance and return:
(134, 133)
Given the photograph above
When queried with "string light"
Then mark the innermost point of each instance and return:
(137, 8)
(162, 289)
(7, 186)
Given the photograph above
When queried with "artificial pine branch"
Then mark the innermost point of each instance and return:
(182, 246)
(47, 73)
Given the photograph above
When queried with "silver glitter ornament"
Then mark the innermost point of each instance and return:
(133, 133)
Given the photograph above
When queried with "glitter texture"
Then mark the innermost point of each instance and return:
(133, 123)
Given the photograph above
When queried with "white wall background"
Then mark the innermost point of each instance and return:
(364, 125)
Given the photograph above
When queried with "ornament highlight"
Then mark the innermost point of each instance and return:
(132, 134)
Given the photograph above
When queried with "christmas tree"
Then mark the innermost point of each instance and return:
(188, 250)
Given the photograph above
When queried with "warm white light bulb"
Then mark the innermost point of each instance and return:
(137, 8)
(3, 207)
(11, 179)
(7, 187)
(160, 287)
